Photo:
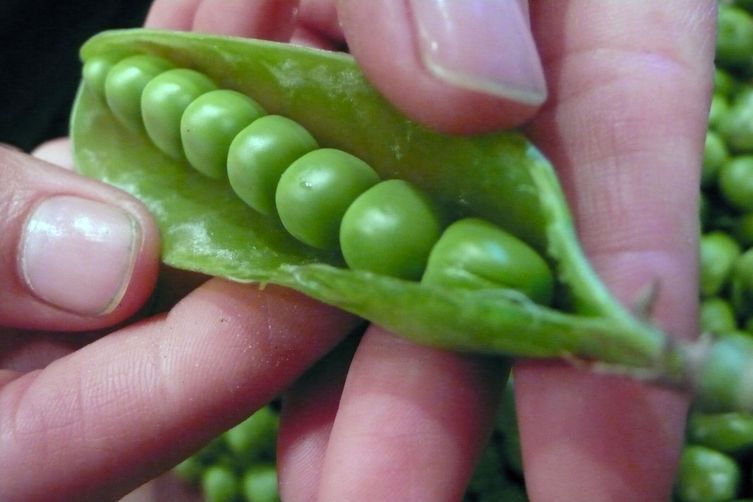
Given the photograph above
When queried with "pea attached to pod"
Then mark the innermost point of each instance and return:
(126, 81)
(209, 125)
(316, 190)
(163, 102)
(259, 155)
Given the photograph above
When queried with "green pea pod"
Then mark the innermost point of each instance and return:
(501, 178)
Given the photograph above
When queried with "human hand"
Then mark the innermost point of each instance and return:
(624, 125)
(89, 411)
(410, 420)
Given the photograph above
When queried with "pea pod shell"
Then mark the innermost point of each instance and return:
(499, 177)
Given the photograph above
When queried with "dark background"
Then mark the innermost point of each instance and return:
(39, 65)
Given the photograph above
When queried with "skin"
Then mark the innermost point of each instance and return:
(629, 86)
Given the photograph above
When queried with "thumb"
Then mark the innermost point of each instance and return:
(75, 254)
(459, 67)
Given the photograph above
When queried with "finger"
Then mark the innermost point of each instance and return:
(411, 423)
(460, 67)
(172, 14)
(320, 16)
(308, 412)
(103, 420)
(75, 254)
(630, 85)
(264, 19)
(56, 151)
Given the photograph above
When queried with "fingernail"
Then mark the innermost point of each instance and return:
(481, 45)
(78, 254)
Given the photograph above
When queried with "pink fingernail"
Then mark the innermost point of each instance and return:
(481, 45)
(78, 254)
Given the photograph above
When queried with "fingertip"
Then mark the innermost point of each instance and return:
(56, 151)
(466, 75)
(79, 254)
(263, 19)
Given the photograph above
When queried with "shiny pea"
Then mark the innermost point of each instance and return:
(209, 125)
(124, 84)
(719, 108)
(259, 155)
(315, 191)
(260, 484)
(734, 44)
(736, 182)
(255, 436)
(718, 254)
(472, 253)
(726, 432)
(706, 475)
(390, 229)
(163, 102)
(736, 126)
(95, 73)
(717, 316)
(220, 484)
(714, 155)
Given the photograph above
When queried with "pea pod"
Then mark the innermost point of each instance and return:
(499, 178)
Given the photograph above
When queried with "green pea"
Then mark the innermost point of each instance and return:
(706, 475)
(315, 191)
(724, 84)
(219, 484)
(390, 229)
(718, 254)
(736, 182)
(714, 155)
(472, 253)
(124, 84)
(256, 436)
(735, 126)
(259, 155)
(189, 470)
(717, 316)
(260, 484)
(726, 432)
(719, 108)
(734, 44)
(163, 102)
(209, 125)
(95, 74)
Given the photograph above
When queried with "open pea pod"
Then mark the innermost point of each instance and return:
(501, 178)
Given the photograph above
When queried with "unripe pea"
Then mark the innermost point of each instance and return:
(163, 102)
(255, 436)
(719, 109)
(714, 155)
(717, 316)
(726, 432)
(734, 44)
(124, 84)
(724, 83)
(706, 475)
(390, 229)
(736, 182)
(219, 484)
(259, 155)
(315, 191)
(735, 126)
(95, 73)
(209, 125)
(718, 254)
(260, 484)
(472, 253)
